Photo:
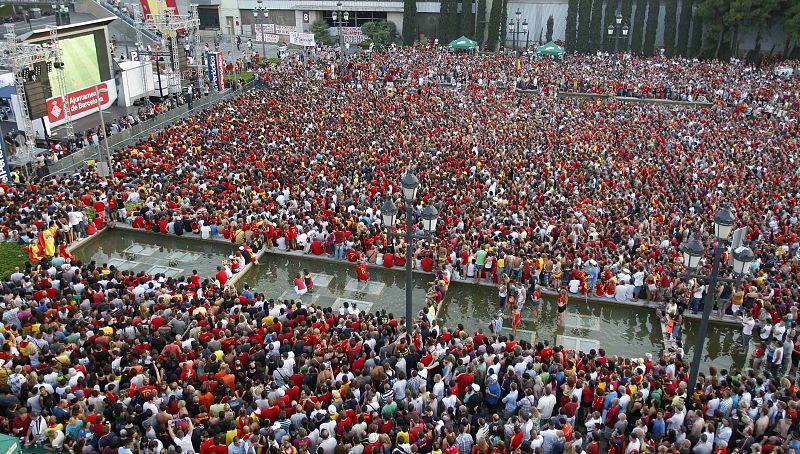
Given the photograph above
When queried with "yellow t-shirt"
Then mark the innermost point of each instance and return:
(229, 436)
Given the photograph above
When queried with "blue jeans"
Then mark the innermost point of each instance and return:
(696, 304)
(339, 251)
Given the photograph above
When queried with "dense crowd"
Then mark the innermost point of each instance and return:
(533, 191)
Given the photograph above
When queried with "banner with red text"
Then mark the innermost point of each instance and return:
(81, 102)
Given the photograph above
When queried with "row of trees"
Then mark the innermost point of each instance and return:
(693, 28)
(452, 22)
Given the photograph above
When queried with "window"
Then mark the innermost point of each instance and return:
(355, 19)
(209, 18)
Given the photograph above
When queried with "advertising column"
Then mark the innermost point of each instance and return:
(4, 172)
(216, 70)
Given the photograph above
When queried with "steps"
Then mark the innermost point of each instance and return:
(125, 26)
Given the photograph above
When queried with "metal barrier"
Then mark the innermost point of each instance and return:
(136, 132)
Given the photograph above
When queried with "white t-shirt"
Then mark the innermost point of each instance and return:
(184, 443)
(747, 326)
(620, 292)
(638, 278)
(546, 404)
(766, 330)
(205, 232)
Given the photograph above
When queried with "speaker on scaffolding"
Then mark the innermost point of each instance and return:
(37, 89)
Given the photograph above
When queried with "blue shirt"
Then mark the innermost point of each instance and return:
(659, 427)
(607, 400)
(494, 388)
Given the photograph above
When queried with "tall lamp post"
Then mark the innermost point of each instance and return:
(617, 31)
(264, 12)
(339, 17)
(97, 91)
(515, 30)
(430, 216)
(693, 252)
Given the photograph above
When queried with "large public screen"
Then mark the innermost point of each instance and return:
(81, 66)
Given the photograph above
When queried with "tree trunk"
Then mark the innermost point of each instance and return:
(719, 44)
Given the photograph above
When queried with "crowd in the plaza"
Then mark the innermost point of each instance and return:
(534, 191)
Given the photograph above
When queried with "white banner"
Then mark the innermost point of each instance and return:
(351, 31)
(284, 29)
(302, 39)
(268, 28)
(354, 39)
(268, 38)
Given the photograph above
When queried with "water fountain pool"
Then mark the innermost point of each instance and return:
(620, 329)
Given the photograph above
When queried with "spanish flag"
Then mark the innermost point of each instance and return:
(519, 65)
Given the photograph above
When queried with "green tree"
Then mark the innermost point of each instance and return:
(739, 12)
(637, 29)
(716, 36)
(549, 34)
(627, 12)
(409, 22)
(584, 21)
(791, 24)
(652, 25)
(570, 36)
(670, 24)
(696, 42)
(608, 19)
(481, 21)
(467, 19)
(504, 23)
(380, 32)
(682, 48)
(595, 26)
(320, 30)
(494, 25)
(763, 15)
(448, 21)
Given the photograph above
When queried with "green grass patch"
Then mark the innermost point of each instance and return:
(12, 255)
(244, 76)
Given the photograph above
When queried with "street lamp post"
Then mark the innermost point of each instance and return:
(430, 216)
(513, 29)
(340, 17)
(260, 8)
(527, 33)
(618, 31)
(97, 91)
(693, 252)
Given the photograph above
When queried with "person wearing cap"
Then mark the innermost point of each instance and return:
(493, 391)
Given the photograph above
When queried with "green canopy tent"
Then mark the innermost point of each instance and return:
(10, 445)
(463, 43)
(550, 48)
